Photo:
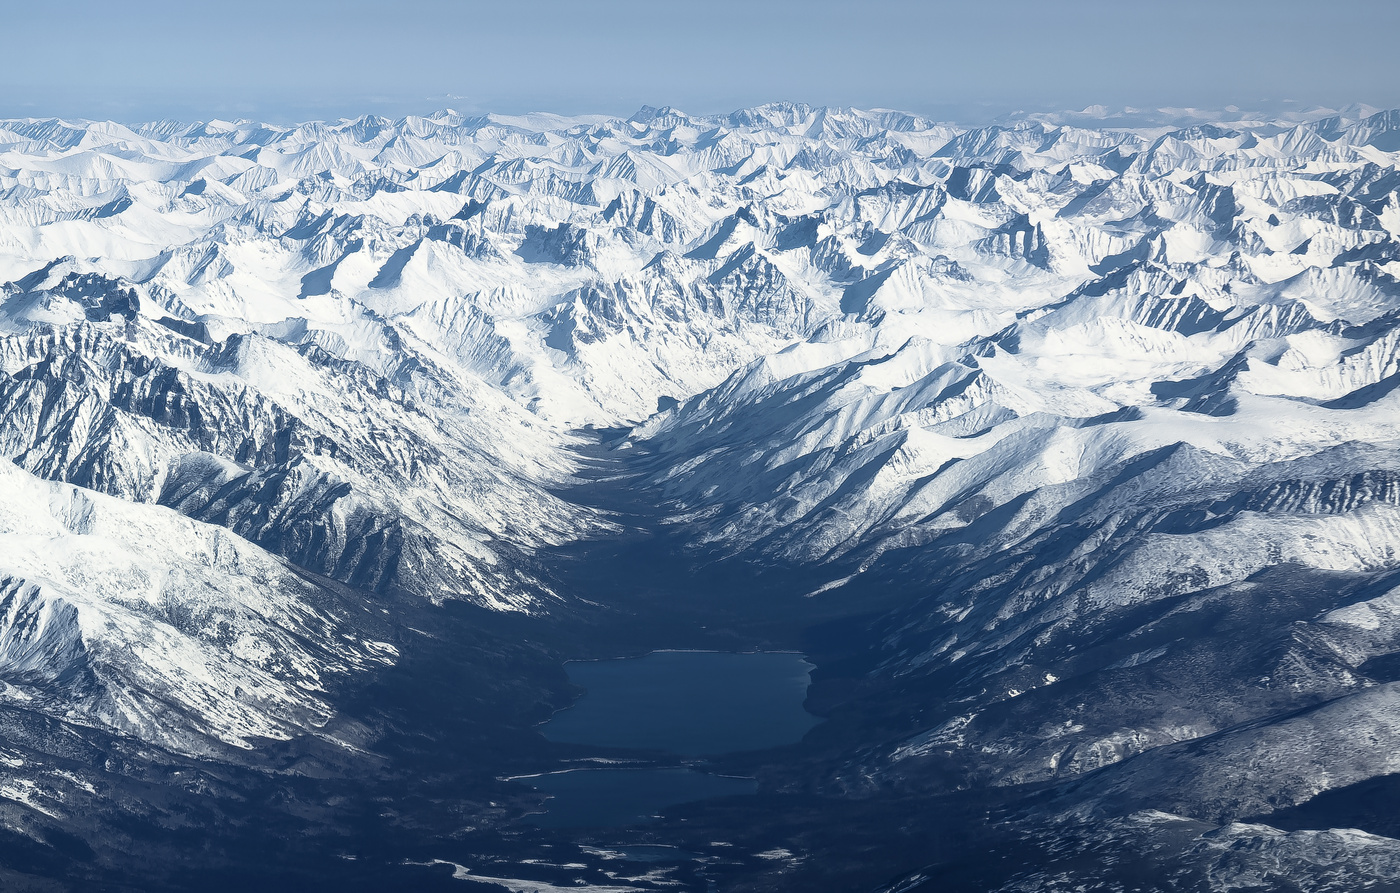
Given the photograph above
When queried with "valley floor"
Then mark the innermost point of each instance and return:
(428, 807)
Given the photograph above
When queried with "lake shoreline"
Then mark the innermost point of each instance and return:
(677, 709)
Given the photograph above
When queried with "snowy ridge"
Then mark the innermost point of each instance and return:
(1112, 401)
(135, 619)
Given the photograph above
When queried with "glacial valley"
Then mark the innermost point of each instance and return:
(1066, 450)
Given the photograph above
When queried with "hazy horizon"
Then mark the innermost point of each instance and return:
(325, 60)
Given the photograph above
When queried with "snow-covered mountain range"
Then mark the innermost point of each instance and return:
(1114, 408)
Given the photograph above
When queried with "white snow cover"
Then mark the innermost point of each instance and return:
(138, 619)
(365, 347)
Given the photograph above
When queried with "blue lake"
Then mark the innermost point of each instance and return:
(686, 703)
(693, 703)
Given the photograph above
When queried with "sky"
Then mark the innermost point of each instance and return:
(972, 60)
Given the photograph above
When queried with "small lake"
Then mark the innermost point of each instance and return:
(685, 703)
(693, 703)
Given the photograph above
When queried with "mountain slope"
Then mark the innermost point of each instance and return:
(1084, 435)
